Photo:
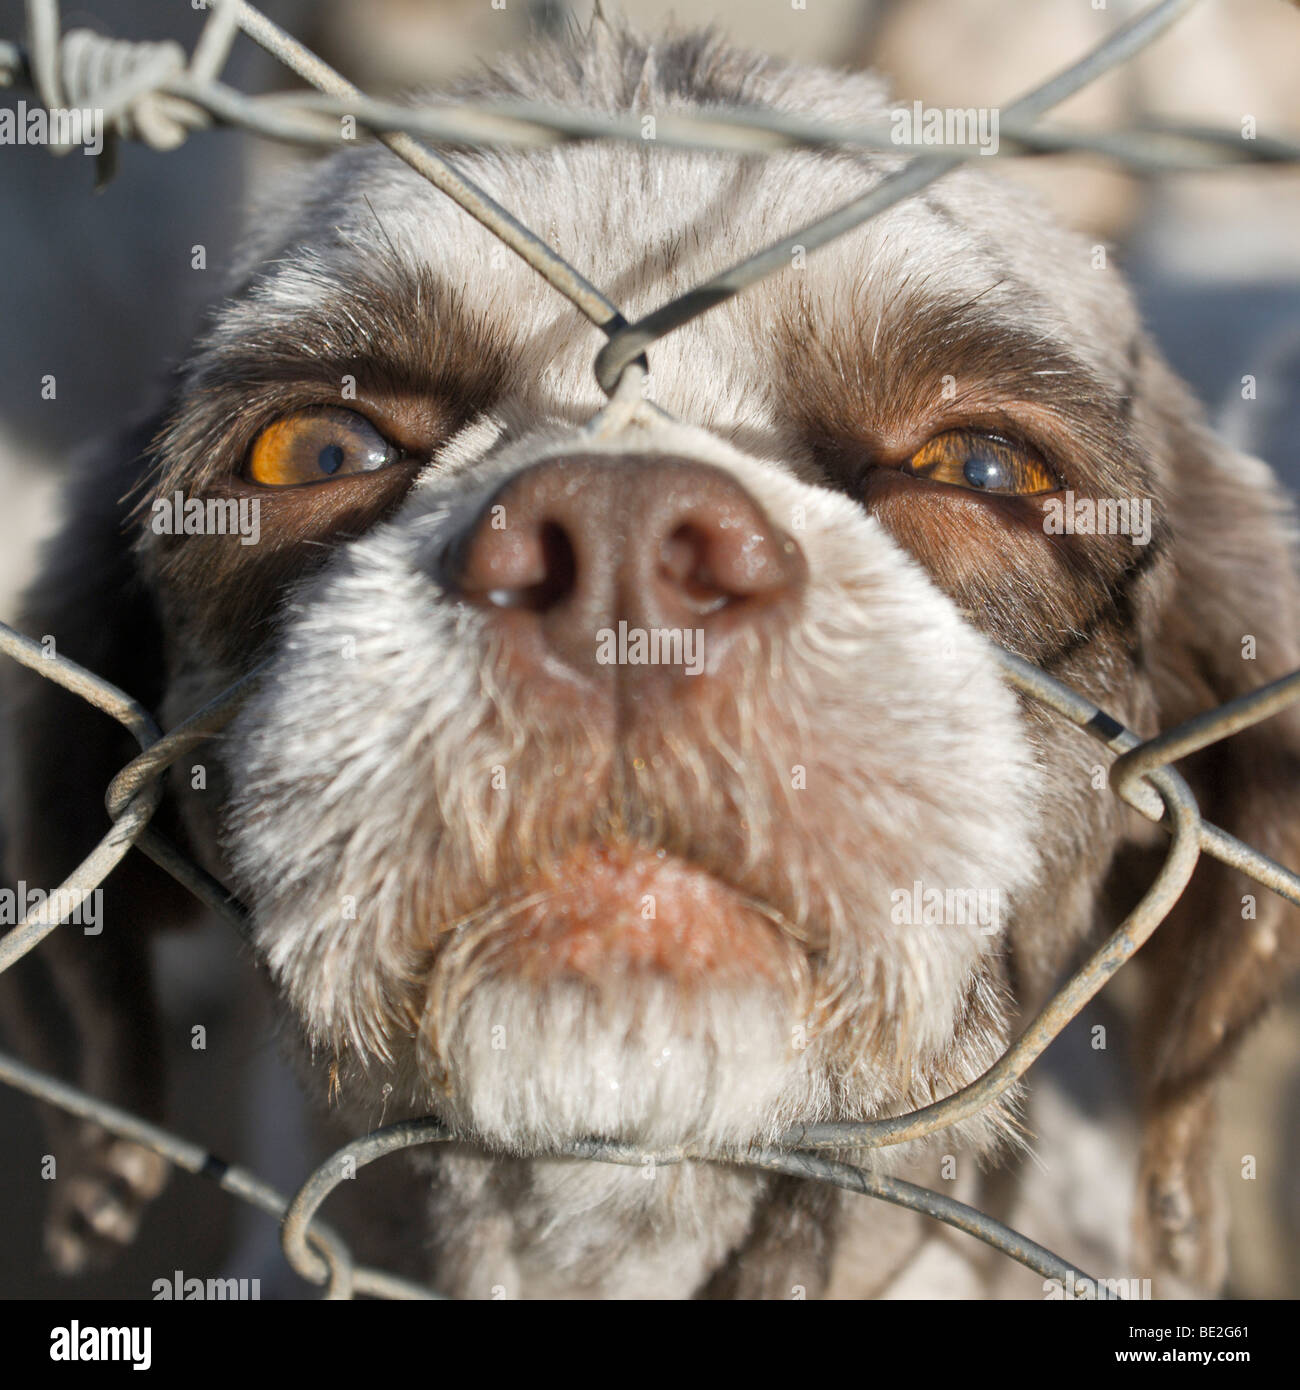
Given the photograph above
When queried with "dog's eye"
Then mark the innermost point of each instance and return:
(982, 462)
(313, 446)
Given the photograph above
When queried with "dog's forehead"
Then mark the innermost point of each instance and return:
(645, 222)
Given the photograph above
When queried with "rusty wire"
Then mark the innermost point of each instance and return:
(150, 92)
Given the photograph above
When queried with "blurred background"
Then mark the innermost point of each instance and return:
(100, 290)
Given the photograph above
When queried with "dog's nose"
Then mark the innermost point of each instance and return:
(626, 561)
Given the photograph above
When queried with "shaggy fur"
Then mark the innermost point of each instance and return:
(418, 811)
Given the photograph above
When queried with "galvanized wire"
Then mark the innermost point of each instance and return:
(151, 93)
(327, 1261)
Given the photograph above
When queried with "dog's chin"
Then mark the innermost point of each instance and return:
(529, 1069)
(628, 995)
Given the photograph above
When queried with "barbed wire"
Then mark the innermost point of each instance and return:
(152, 93)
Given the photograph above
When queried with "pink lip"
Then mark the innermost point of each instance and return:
(607, 909)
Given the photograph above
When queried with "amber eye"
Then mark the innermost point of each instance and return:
(982, 462)
(313, 446)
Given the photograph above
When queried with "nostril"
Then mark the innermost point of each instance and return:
(536, 573)
(725, 558)
(532, 566)
(559, 571)
(685, 562)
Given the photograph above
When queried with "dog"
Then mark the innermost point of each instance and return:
(628, 780)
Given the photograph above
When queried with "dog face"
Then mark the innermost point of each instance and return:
(691, 891)
(621, 863)
(657, 781)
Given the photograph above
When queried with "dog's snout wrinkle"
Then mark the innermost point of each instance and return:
(577, 553)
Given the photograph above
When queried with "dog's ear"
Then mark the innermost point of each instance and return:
(86, 602)
(81, 1003)
(1230, 623)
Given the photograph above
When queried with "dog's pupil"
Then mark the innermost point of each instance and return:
(330, 458)
(985, 471)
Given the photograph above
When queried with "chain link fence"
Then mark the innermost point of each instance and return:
(156, 94)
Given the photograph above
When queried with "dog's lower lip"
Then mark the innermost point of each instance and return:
(604, 909)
